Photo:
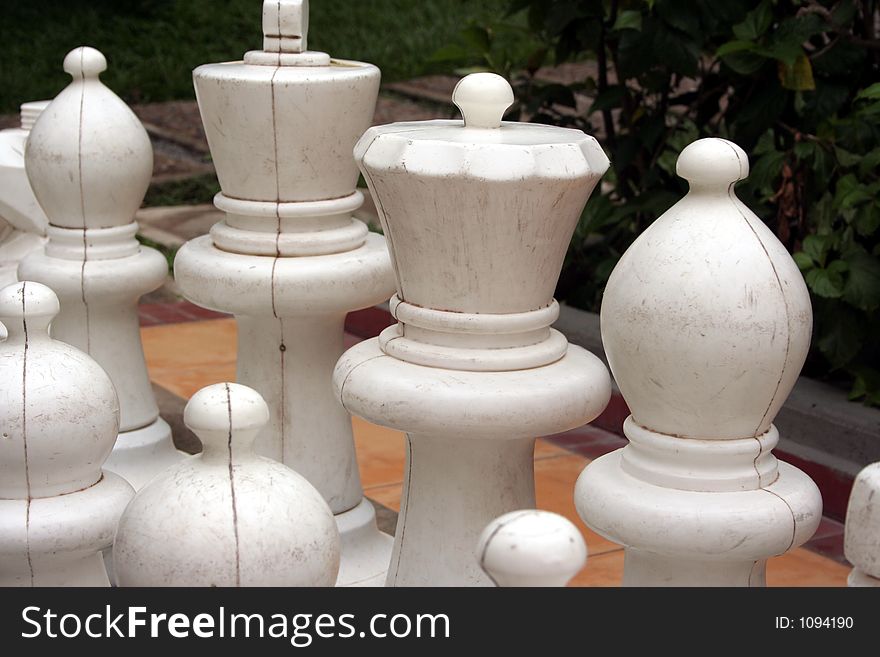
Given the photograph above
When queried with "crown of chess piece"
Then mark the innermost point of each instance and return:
(478, 214)
(862, 530)
(531, 548)
(22, 220)
(289, 260)
(227, 517)
(706, 323)
(89, 162)
(59, 415)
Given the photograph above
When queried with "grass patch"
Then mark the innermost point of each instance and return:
(191, 191)
(153, 45)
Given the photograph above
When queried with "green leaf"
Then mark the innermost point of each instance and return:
(867, 219)
(736, 45)
(628, 20)
(846, 158)
(862, 288)
(827, 283)
(477, 37)
(798, 76)
(803, 261)
(755, 23)
(816, 246)
(872, 92)
(842, 335)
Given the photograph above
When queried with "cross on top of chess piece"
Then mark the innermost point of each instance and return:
(236, 518)
(531, 548)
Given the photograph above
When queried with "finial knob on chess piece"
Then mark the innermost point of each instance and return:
(285, 25)
(531, 548)
(712, 162)
(482, 98)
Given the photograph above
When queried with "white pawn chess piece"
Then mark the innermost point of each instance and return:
(478, 215)
(227, 517)
(59, 415)
(706, 323)
(862, 531)
(89, 161)
(22, 220)
(289, 260)
(531, 548)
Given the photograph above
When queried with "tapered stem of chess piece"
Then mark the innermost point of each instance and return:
(22, 220)
(89, 161)
(531, 548)
(862, 531)
(227, 517)
(59, 415)
(289, 260)
(706, 323)
(478, 215)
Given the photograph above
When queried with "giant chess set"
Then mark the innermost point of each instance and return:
(706, 322)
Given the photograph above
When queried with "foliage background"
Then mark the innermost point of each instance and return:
(795, 83)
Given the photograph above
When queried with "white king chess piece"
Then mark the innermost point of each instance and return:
(706, 323)
(531, 548)
(89, 161)
(227, 517)
(478, 215)
(59, 415)
(289, 260)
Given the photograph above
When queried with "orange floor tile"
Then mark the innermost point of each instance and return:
(185, 357)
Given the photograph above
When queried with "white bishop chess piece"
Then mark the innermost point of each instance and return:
(531, 548)
(478, 214)
(227, 517)
(59, 415)
(289, 260)
(862, 530)
(706, 323)
(89, 161)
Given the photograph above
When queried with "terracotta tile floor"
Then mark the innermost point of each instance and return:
(184, 357)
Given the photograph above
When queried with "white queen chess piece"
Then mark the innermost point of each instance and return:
(227, 517)
(58, 415)
(89, 161)
(289, 260)
(478, 215)
(706, 323)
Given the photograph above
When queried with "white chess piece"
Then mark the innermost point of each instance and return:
(862, 531)
(478, 216)
(531, 548)
(289, 260)
(22, 220)
(89, 161)
(59, 415)
(227, 517)
(706, 323)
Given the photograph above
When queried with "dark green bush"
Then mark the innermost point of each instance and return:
(794, 83)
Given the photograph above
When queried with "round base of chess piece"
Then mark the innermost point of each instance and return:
(59, 540)
(470, 446)
(366, 550)
(718, 526)
(140, 454)
(861, 542)
(290, 313)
